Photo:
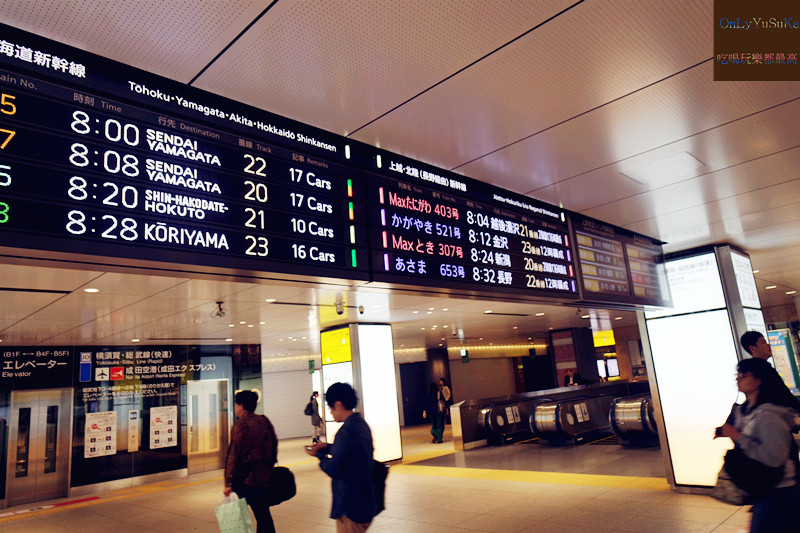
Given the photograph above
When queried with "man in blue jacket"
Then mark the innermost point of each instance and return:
(348, 461)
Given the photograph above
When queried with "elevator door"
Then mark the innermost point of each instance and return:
(39, 445)
(208, 424)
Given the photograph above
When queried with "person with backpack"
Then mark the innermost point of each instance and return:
(312, 410)
(764, 461)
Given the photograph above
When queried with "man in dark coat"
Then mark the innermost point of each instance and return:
(348, 462)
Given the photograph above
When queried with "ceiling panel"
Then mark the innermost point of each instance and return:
(686, 111)
(338, 64)
(19, 305)
(703, 194)
(543, 79)
(175, 39)
(55, 279)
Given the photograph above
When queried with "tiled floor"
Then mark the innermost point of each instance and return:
(432, 490)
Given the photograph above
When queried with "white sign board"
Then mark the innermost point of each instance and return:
(100, 434)
(695, 285)
(163, 427)
(745, 281)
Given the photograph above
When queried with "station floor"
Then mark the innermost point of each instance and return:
(517, 488)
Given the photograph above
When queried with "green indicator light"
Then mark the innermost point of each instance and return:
(352, 234)
(4, 209)
(350, 188)
(353, 257)
(352, 214)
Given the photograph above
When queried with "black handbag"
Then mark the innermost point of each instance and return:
(750, 475)
(281, 485)
(379, 473)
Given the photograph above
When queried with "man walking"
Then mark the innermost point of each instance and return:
(348, 462)
(757, 346)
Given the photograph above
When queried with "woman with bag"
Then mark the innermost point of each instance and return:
(435, 411)
(763, 448)
(252, 453)
(312, 410)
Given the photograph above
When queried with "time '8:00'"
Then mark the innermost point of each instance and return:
(113, 130)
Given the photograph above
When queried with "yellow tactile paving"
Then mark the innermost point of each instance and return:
(649, 483)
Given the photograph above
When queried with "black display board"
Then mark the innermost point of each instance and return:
(100, 158)
(35, 367)
(107, 160)
(617, 265)
(433, 227)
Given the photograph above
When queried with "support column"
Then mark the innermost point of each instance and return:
(438, 366)
(363, 356)
(691, 352)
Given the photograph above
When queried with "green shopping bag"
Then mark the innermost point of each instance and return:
(233, 516)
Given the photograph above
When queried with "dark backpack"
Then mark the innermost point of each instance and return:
(750, 475)
(309, 409)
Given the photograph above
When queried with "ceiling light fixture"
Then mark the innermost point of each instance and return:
(228, 340)
(270, 300)
(768, 287)
(136, 340)
(617, 318)
(91, 290)
(791, 292)
(666, 170)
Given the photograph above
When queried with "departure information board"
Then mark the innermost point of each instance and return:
(617, 265)
(85, 173)
(123, 166)
(432, 227)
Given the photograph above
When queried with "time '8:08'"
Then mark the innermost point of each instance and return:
(113, 162)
